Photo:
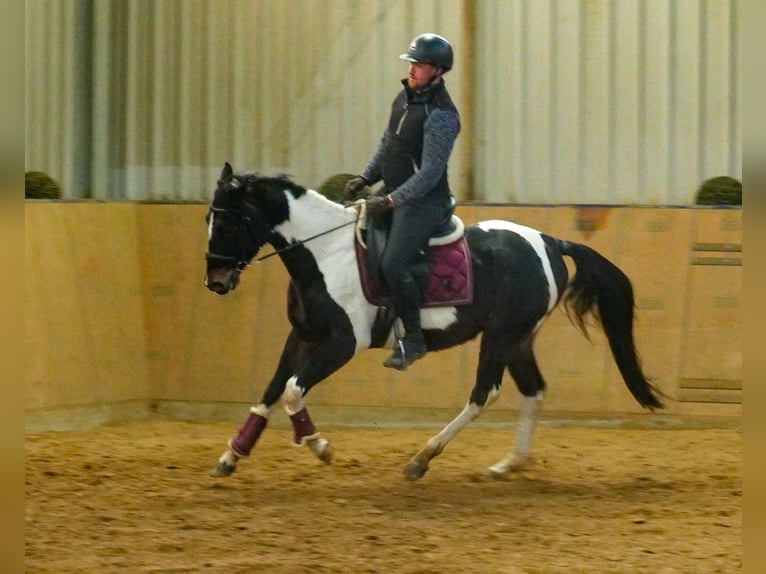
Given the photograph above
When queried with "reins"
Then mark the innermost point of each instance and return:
(302, 241)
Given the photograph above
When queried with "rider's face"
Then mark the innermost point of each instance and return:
(420, 75)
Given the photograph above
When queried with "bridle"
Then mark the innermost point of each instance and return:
(241, 262)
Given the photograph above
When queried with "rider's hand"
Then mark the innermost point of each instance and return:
(353, 186)
(379, 205)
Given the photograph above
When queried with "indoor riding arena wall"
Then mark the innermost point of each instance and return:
(119, 325)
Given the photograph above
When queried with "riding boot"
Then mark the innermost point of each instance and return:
(413, 345)
(407, 350)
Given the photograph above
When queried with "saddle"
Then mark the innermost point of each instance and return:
(444, 272)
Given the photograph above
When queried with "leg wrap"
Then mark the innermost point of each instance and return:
(303, 427)
(243, 443)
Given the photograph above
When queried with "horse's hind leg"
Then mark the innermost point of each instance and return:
(523, 368)
(489, 377)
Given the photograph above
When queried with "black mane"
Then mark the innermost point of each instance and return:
(255, 181)
(265, 192)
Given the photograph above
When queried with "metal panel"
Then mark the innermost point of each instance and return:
(565, 85)
(629, 96)
(625, 163)
(563, 101)
(686, 97)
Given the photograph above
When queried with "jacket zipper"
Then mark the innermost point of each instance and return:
(401, 120)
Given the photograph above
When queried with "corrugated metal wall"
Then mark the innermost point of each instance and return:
(607, 101)
(563, 101)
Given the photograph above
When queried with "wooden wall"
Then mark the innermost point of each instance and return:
(119, 324)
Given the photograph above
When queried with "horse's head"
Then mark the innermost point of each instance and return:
(241, 219)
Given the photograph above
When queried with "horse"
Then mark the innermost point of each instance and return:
(519, 278)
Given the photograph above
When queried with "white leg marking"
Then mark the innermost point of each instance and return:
(492, 397)
(419, 463)
(261, 410)
(292, 398)
(318, 446)
(438, 442)
(527, 420)
(469, 413)
(229, 458)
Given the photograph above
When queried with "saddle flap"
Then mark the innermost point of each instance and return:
(449, 278)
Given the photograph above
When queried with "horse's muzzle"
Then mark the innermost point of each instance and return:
(222, 281)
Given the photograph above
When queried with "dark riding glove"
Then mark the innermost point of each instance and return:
(379, 205)
(353, 186)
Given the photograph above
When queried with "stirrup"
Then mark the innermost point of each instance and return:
(405, 353)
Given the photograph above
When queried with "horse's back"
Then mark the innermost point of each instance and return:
(518, 271)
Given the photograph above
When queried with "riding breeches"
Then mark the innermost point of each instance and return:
(411, 227)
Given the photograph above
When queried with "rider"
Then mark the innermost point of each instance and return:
(411, 159)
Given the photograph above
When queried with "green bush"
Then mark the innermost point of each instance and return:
(722, 190)
(38, 185)
(332, 187)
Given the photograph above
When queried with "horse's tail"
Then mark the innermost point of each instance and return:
(601, 288)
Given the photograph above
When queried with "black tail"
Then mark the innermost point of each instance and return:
(601, 288)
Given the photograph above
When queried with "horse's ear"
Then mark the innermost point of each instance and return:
(227, 172)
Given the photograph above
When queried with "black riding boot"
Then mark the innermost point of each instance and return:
(407, 350)
(413, 345)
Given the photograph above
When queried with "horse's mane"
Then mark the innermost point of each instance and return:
(282, 181)
(285, 181)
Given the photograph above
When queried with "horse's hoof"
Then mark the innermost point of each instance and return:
(327, 454)
(414, 471)
(222, 469)
(503, 467)
(496, 471)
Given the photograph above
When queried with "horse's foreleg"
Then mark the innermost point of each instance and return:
(418, 464)
(244, 441)
(530, 407)
(304, 431)
(323, 360)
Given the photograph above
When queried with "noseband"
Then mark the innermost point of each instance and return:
(241, 261)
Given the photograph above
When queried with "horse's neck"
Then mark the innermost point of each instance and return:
(319, 221)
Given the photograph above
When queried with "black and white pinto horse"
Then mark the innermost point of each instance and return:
(519, 278)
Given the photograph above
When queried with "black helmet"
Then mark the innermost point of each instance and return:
(430, 49)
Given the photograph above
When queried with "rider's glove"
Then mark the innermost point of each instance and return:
(353, 186)
(379, 205)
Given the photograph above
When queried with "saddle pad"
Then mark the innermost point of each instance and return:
(450, 280)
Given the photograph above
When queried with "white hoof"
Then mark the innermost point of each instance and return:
(497, 470)
(222, 468)
(505, 466)
(322, 449)
(327, 454)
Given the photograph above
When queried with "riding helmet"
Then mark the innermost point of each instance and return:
(430, 49)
